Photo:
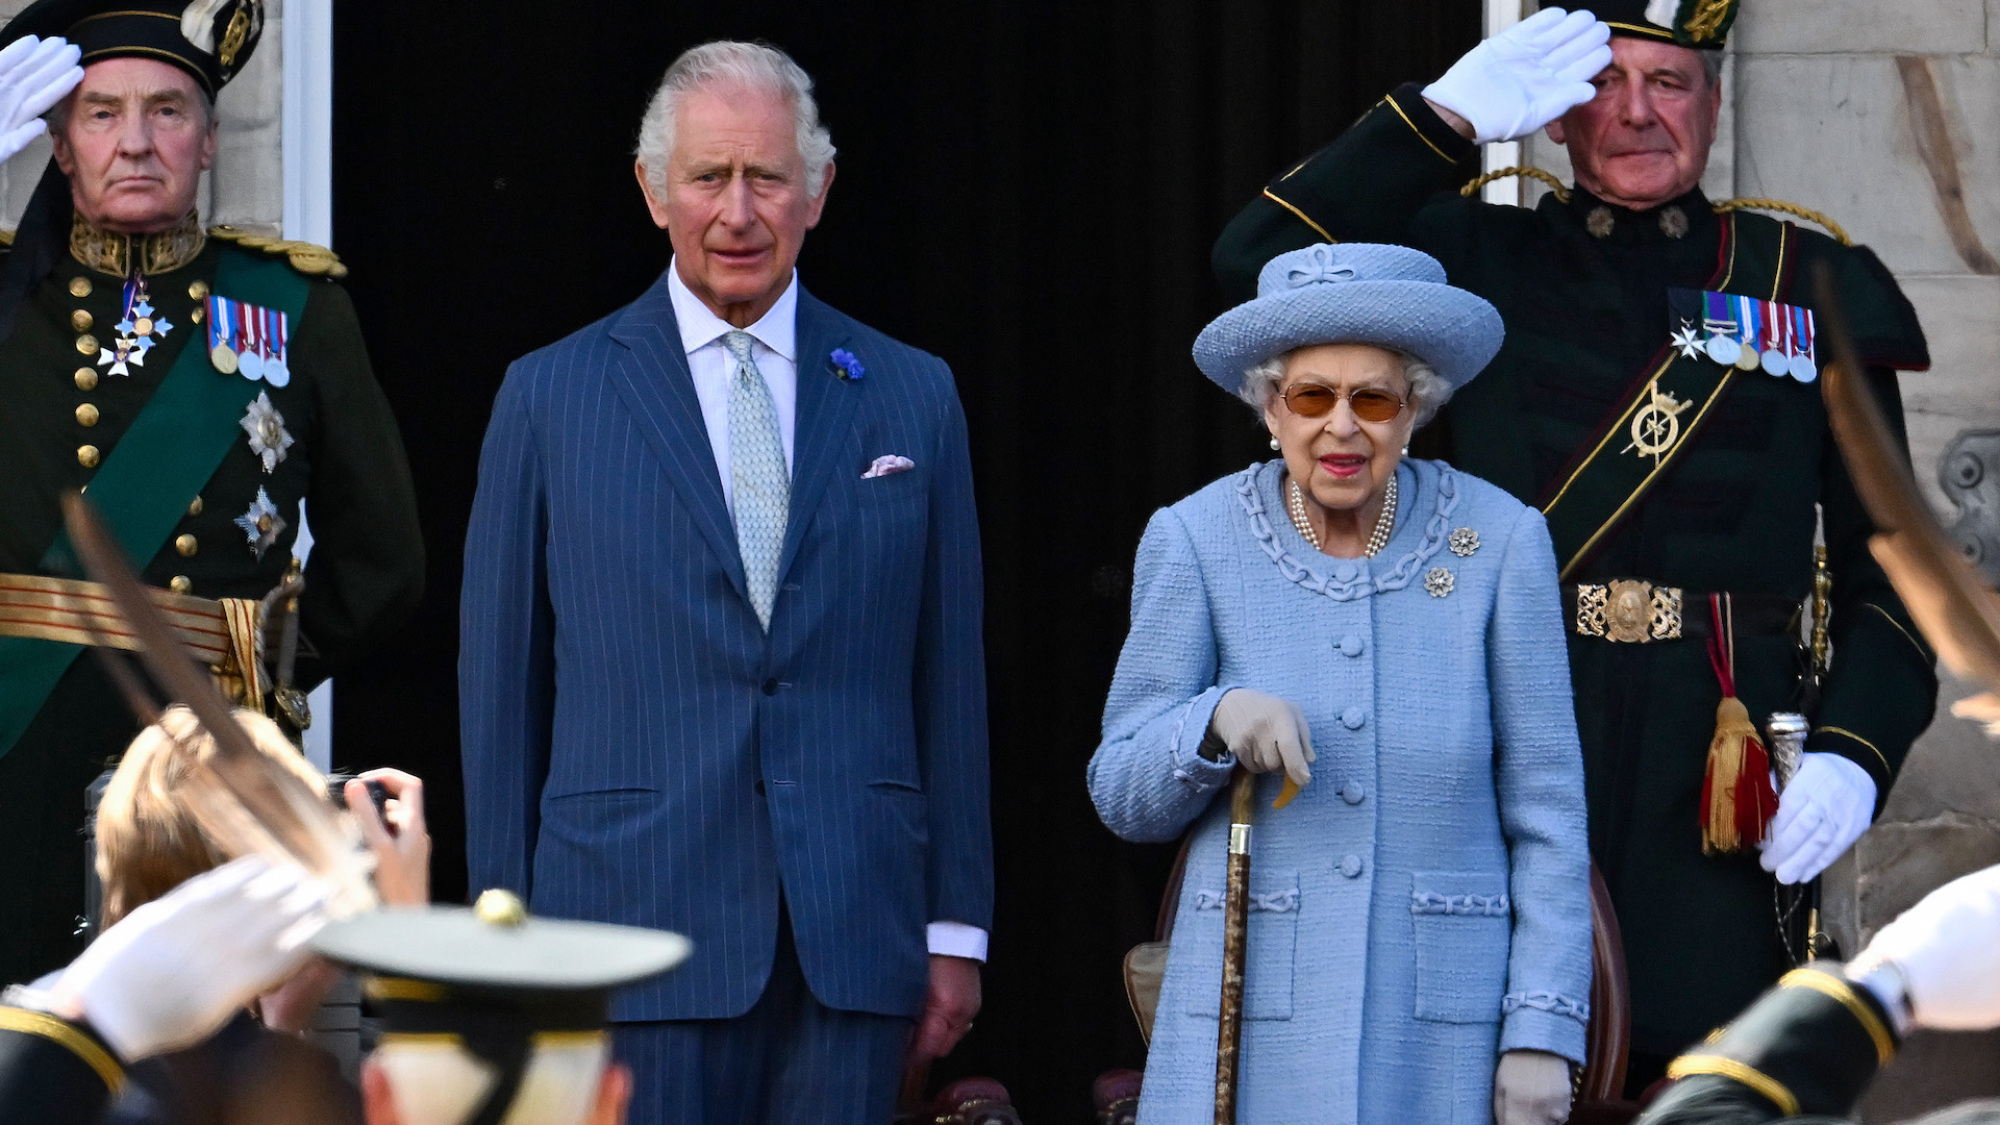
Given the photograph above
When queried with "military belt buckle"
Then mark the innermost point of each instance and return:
(1629, 611)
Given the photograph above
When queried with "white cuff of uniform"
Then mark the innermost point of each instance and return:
(956, 939)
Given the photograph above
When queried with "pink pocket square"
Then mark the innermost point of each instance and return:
(888, 463)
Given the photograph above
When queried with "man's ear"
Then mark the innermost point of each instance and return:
(819, 203)
(657, 207)
(1555, 130)
(614, 1093)
(378, 1102)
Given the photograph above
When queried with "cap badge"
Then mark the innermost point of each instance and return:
(496, 907)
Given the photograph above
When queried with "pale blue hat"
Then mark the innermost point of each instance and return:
(1353, 293)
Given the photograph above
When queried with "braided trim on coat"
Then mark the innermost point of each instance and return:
(1551, 1002)
(1431, 902)
(1276, 902)
(1363, 583)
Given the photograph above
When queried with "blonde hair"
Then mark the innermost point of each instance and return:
(148, 838)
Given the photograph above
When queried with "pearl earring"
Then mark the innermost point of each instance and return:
(1274, 443)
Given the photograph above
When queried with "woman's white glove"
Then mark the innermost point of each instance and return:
(1828, 805)
(174, 970)
(1947, 948)
(1531, 1088)
(1265, 733)
(35, 74)
(1526, 76)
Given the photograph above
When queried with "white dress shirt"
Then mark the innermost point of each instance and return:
(776, 352)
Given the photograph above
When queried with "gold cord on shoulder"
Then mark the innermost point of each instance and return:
(46, 1026)
(1547, 177)
(122, 255)
(1758, 203)
(1878, 1032)
(1722, 1067)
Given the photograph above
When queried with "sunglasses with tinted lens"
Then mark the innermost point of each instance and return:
(1311, 400)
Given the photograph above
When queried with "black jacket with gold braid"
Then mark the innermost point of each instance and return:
(65, 414)
(1583, 289)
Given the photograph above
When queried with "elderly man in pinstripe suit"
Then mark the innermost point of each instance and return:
(721, 668)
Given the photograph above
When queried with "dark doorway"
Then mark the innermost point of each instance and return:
(1027, 189)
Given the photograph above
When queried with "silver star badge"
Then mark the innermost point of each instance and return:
(268, 437)
(119, 354)
(1688, 341)
(262, 524)
(1438, 582)
(1463, 542)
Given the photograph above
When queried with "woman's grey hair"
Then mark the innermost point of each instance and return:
(1428, 390)
(756, 65)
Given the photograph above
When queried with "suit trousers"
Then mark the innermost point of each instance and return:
(789, 1060)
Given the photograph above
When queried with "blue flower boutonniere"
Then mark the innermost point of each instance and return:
(844, 362)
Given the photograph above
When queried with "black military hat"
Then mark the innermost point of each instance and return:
(492, 979)
(1702, 24)
(210, 39)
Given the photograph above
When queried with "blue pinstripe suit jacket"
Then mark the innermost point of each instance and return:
(638, 751)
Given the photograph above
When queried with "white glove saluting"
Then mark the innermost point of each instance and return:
(1947, 950)
(1265, 733)
(173, 971)
(1526, 76)
(35, 74)
(1827, 807)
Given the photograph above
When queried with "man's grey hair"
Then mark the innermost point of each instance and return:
(1428, 390)
(1711, 65)
(755, 65)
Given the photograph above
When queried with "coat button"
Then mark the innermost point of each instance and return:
(1345, 571)
(86, 378)
(86, 415)
(1351, 866)
(194, 508)
(759, 787)
(81, 320)
(87, 344)
(79, 287)
(187, 545)
(1353, 717)
(180, 584)
(86, 455)
(770, 687)
(1354, 792)
(1350, 645)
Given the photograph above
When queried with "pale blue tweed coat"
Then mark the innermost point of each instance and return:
(1424, 904)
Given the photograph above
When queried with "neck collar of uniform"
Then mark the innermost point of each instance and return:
(122, 255)
(1673, 221)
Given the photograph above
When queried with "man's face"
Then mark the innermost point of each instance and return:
(134, 144)
(1644, 139)
(736, 206)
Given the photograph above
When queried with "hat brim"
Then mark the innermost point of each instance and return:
(1454, 331)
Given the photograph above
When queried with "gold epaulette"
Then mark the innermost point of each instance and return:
(6, 238)
(306, 257)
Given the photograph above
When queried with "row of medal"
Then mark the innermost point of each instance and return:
(248, 340)
(1746, 333)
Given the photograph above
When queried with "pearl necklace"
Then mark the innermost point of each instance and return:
(1295, 503)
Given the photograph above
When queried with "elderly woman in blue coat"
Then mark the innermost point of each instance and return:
(1419, 938)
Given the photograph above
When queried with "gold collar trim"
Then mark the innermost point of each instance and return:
(122, 255)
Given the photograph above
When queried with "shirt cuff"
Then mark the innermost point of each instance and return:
(956, 939)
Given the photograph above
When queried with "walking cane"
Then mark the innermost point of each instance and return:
(1235, 944)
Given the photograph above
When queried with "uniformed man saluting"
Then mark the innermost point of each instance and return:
(199, 385)
(1656, 398)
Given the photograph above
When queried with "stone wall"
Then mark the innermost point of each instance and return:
(1887, 118)
(246, 186)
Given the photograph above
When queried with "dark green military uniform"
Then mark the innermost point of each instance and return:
(1583, 289)
(1803, 1053)
(323, 437)
(65, 415)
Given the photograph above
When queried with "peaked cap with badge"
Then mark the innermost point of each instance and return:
(201, 383)
(1657, 398)
(493, 987)
(1701, 24)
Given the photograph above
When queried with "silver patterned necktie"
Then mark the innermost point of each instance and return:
(762, 483)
